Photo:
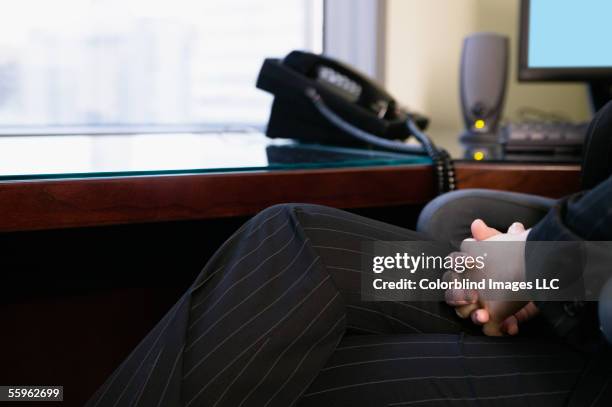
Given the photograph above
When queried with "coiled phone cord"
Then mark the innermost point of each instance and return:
(445, 169)
(443, 164)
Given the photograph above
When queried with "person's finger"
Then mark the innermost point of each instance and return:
(527, 312)
(492, 328)
(457, 298)
(480, 230)
(510, 326)
(465, 310)
(457, 254)
(460, 266)
(516, 228)
(449, 276)
(480, 316)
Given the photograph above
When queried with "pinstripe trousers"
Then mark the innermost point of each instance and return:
(275, 319)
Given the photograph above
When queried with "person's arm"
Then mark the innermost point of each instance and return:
(584, 216)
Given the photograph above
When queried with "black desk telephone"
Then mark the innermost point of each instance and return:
(320, 100)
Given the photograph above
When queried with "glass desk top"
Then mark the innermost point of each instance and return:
(90, 156)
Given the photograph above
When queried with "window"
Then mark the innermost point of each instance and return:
(100, 63)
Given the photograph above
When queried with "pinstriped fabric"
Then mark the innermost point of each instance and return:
(271, 321)
(269, 371)
(518, 397)
(434, 369)
(604, 395)
(260, 300)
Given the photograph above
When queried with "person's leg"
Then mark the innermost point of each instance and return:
(427, 370)
(337, 237)
(435, 361)
(265, 314)
(316, 253)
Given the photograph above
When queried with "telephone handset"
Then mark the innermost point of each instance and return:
(318, 99)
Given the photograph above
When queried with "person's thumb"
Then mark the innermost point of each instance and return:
(516, 228)
(480, 230)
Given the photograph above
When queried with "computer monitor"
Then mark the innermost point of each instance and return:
(567, 41)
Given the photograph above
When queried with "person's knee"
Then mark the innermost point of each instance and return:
(282, 210)
(281, 215)
(286, 210)
(272, 218)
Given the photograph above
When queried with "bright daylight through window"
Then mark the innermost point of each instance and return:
(98, 63)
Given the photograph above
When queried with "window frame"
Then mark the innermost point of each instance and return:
(354, 32)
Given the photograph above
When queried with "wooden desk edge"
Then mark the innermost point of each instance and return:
(67, 203)
(551, 180)
(50, 204)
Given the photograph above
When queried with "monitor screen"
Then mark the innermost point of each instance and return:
(563, 39)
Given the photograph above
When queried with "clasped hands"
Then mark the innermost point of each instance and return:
(497, 317)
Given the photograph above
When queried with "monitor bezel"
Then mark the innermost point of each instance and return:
(525, 73)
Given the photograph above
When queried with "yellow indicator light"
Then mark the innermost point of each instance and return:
(479, 156)
(479, 124)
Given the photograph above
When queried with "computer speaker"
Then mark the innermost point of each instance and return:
(484, 71)
(483, 76)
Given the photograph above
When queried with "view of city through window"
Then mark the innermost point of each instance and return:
(145, 62)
